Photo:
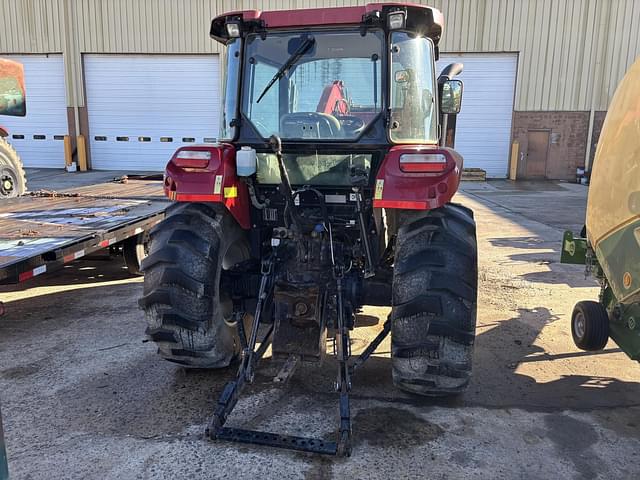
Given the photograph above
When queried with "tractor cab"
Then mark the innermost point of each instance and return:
(339, 89)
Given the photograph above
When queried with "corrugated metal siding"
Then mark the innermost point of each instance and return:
(32, 26)
(144, 26)
(572, 53)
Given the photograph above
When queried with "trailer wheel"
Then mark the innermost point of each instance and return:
(590, 326)
(134, 250)
(13, 181)
(435, 279)
(186, 317)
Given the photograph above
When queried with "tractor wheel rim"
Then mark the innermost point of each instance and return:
(579, 325)
(7, 183)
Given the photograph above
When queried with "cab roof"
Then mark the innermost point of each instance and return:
(421, 19)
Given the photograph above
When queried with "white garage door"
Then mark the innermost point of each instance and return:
(38, 137)
(142, 107)
(483, 128)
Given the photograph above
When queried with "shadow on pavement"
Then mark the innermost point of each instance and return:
(503, 349)
(548, 254)
(130, 391)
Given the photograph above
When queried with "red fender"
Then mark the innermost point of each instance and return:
(417, 190)
(212, 180)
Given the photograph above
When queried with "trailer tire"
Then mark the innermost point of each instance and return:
(590, 326)
(13, 181)
(182, 294)
(134, 250)
(433, 317)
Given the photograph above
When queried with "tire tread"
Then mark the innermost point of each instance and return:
(181, 286)
(434, 301)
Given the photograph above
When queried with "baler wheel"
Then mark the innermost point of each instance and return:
(182, 289)
(435, 280)
(590, 325)
(13, 181)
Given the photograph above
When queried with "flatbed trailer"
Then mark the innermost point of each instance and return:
(43, 231)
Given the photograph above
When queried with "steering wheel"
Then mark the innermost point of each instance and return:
(302, 124)
(352, 124)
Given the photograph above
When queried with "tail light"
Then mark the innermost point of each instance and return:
(425, 162)
(192, 158)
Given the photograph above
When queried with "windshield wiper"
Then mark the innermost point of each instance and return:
(291, 61)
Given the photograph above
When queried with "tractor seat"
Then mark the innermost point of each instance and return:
(310, 125)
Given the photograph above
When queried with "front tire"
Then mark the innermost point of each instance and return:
(182, 294)
(435, 281)
(13, 181)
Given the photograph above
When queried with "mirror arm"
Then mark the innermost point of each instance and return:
(450, 71)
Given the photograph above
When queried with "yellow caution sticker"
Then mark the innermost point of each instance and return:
(217, 187)
(231, 192)
(379, 188)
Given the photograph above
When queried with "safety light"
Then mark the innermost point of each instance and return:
(192, 158)
(233, 28)
(423, 162)
(395, 20)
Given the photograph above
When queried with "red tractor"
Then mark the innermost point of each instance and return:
(330, 189)
(12, 183)
(12, 103)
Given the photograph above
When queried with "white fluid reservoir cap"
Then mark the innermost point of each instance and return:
(246, 162)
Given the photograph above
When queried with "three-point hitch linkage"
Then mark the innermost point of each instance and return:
(252, 353)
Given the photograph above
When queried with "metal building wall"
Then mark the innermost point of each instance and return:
(32, 26)
(572, 52)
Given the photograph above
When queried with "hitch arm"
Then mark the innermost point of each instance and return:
(369, 270)
(250, 356)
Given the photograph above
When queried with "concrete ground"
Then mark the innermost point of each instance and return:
(58, 179)
(84, 396)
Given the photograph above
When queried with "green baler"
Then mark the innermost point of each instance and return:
(610, 243)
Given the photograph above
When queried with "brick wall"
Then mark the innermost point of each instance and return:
(598, 121)
(568, 140)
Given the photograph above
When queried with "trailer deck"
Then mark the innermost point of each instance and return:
(43, 231)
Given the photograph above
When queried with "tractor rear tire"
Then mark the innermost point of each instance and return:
(433, 317)
(186, 315)
(13, 181)
(590, 326)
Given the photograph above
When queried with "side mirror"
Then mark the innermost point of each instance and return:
(451, 96)
(12, 95)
